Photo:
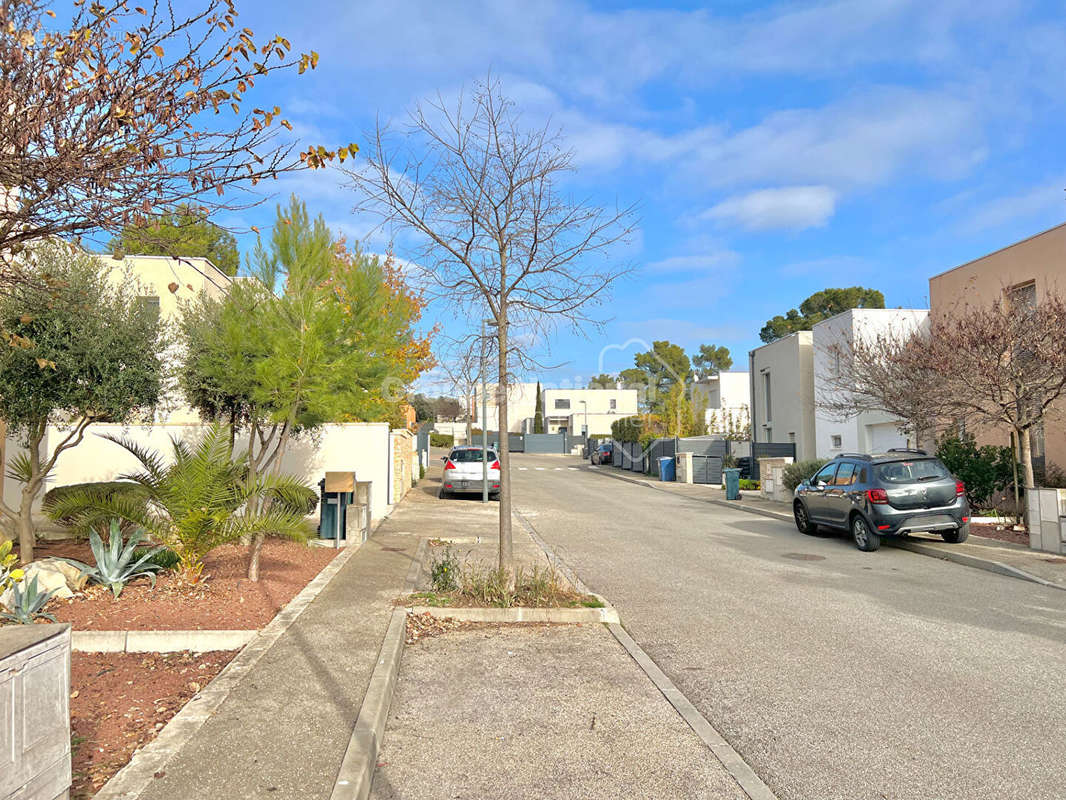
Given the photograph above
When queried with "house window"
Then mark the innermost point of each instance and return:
(614, 404)
(792, 437)
(837, 442)
(766, 390)
(560, 403)
(1023, 295)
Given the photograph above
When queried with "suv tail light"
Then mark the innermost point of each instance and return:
(879, 496)
(495, 464)
(449, 464)
(960, 488)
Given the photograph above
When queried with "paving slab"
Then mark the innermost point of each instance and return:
(538, 712)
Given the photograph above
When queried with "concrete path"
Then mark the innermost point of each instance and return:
(282, 732)
(1044, 566)
(837, 674)
(537, 712)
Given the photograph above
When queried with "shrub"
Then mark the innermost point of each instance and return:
(295, 499)
(444, 571)
(441, 440)
(729, 461)
(798, 472)
(162, 557)
(9, 571)
(985, 470)
(750, 485)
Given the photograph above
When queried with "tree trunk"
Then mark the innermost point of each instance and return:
(1014, 464)
(504, 453)
(25, 523)
(253, 557)
(471, 400)
(1027, 458)
(257, 538)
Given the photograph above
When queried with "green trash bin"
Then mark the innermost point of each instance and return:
(732, 484)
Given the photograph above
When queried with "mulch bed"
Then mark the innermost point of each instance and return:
(224, 600)
(120, 701)
(989, 531)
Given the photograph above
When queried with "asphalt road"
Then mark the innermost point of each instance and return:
(835, 673)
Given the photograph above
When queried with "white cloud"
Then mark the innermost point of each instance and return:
(695, 263)
(1046, 201)
(788, 207)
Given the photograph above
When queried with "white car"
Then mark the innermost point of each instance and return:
(463, 472)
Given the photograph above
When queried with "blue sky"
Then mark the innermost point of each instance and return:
(774, 149)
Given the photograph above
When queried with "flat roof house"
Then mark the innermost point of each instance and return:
(782, 393)
(1032, 269)
(571, 410)
(867, 431)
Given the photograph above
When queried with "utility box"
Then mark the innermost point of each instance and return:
(34, 712)
(337, 493)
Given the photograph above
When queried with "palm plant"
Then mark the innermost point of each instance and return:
(202, 499)
(117, 565)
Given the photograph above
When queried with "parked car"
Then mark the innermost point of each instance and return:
(888, 494)
(463, 472)
(602, 454)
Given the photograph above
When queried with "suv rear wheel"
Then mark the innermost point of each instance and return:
(865, 539)
(957, 535)
(803, 521)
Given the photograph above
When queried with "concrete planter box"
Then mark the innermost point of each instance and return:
(1047, 511)
(34, 712)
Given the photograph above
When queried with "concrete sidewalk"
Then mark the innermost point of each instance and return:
(283, 730)
(978, 551)
(537, 712)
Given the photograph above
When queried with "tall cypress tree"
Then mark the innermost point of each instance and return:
(538, 414)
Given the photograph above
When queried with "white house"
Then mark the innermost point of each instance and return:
(572, 410)
(866, 432)
(727, 402)
(782, 393)
(521, 404)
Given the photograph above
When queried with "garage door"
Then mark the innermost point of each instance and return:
(884, 437)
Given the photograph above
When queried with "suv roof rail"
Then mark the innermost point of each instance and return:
(907, 450)
(865, 456)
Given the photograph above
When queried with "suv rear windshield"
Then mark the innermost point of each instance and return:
(922, 469)
(471, 456)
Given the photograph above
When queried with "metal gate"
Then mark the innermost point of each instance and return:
(545, 443)
(706, 469)
(769, 450)
(659, 448)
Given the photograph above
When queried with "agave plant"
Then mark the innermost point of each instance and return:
(202, 499)
(27, 602)
(117, 565)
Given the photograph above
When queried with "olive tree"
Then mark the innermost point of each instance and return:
(89, 352)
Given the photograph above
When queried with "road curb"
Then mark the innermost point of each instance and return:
(160, 641)
(356, 773)
(986, 564)
(355, 777)
(131, 780)
(975, 562)
(557, 616)
(729, 758)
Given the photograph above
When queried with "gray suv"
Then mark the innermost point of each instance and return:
(888, 494)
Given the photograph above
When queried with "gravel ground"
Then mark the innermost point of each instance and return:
(537, 712)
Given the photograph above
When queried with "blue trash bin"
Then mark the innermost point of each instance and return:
(732, 484)
(667, 468)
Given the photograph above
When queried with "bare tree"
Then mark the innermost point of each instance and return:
(1001, 364)
(883, 371)
(460, 364)
(496, 232)
(118, 114)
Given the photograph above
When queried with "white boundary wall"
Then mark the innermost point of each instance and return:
(362, 447)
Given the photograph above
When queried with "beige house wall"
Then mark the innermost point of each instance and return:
(1040, 259)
